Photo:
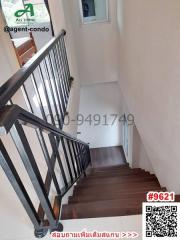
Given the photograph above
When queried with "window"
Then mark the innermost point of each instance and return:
(94, 11)
(9, 7)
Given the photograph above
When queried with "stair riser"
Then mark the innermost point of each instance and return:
(123, 171)
(117, 175)
(79, 199)
(98, 214)
(110, 192)
(92, 198)
(118, 183)
(126, 198)
(117, 187)
(114, 191)
(115, 171)
(108, 169)
(111, 168)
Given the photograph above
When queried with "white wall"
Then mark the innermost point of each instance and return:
(140, 157)
(8, 60)
(149, 55)
(14, 214)
(96, 46)
(101, 99)
(60, 12)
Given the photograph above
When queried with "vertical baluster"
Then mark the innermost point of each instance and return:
(56, 91)
(79, 146)
(85, 157)
(66, 57)
(67, 159)
(66, 60)
(71, 155)
(28, 102)
(59, 83)
(48, 160)
(62, 74)
(38, 97)
(46, 95)
(29, 162)
(76, 158)
(18, 186)
(41, 141)
(89, 155)
(77, 154)
(57, 155)
(52, 94)
(59, 88)
(26, 96)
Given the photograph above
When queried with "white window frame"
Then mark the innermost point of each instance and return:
(93, 18)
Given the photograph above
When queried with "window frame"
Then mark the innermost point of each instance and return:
(107, 19)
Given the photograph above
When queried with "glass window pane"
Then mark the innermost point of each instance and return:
(88, 8)
(94, 10)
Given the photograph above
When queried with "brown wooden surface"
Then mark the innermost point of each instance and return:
(26, 50)
(113, 191)
(105, 157)
(111, 188)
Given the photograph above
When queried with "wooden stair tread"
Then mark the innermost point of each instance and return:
(115, 188)
(177, 198)
(123, 170)
(120, 184)
(114, 180)
(102, 178)
(125, 195)
(110, 191)
(120, 169)
(101, 209)
(81, 199)
(105, 175)
(111, 168)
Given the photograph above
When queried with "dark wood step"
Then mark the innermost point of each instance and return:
(177, 198)
(105, 187)
(114, 191)
(107, 208)
(105, 169)
(123, 170)
(81, 199)
(114, 180)
(98, 197)
(110, 174)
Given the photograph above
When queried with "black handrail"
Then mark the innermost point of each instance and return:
(77, 158)
(49, 68)
(9, 88)
(9, 114)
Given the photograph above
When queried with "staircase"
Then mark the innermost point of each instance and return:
(110, 191)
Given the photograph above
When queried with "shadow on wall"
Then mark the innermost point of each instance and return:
(140, 158)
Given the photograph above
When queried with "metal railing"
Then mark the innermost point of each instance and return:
(76, 158)
(45, 82)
